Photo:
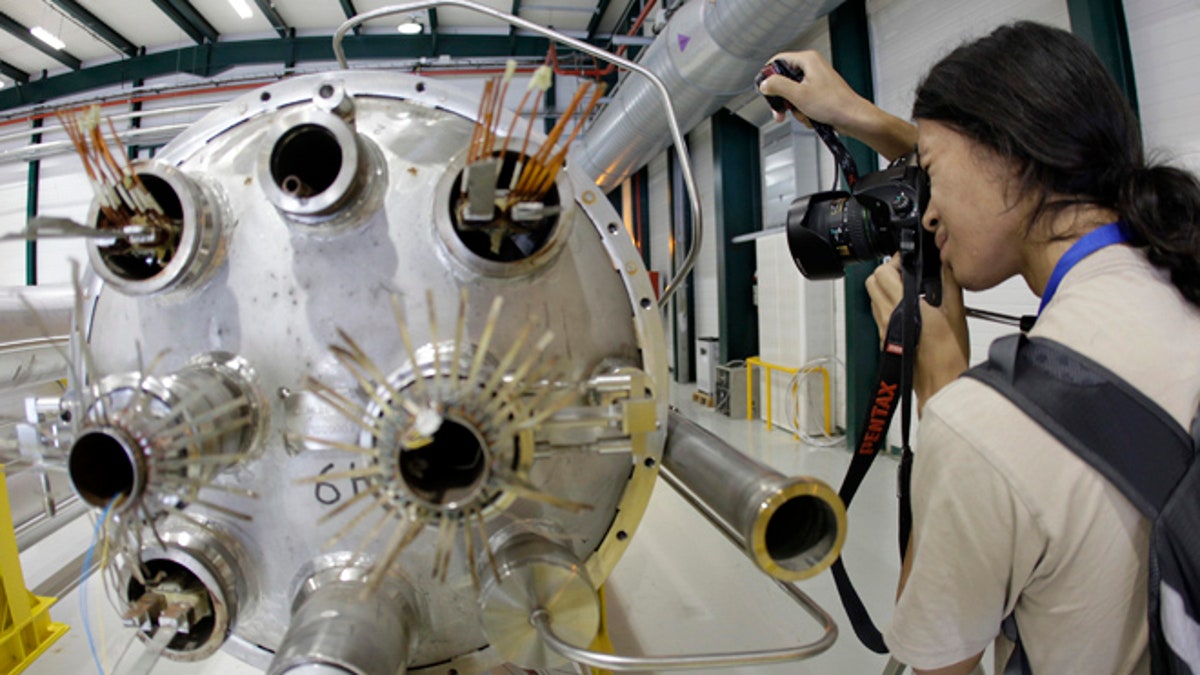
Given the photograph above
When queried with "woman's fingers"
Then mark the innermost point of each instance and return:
(885, 288)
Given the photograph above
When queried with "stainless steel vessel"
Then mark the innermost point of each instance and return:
(349, 399)
(413, 390)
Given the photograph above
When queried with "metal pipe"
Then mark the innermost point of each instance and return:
(35, 322)
(792, 528)
(33, 530)
(32, 363)
(163, 133)
(35, 312)
(707, 55)
(668, 108)
(339, 625)
(137, 114)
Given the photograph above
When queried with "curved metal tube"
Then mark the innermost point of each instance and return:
(676, 135)
(540, 620)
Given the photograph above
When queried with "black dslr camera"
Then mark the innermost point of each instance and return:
(878, 217)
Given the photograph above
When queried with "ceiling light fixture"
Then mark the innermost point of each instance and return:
(47, 37)
(242, 9)
(410, 26)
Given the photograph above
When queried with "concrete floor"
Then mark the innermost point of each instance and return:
(681, 588)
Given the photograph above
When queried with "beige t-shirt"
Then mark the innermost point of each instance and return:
(1006, 517)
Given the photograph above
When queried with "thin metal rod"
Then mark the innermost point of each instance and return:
(676, 135)
(136, 114)
(28, 152)
(994, 317)
(541, 621)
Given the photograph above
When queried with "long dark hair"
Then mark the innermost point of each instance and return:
(1041, 96)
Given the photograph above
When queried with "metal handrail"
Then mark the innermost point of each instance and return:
(541, 621)
(135, 114)
(676, 135)
(39, 150)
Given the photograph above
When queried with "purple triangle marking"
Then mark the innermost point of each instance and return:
(683, 41)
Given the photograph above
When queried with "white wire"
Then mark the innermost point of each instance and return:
(792, 401)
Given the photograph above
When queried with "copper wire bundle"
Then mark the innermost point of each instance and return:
(532, 176)
(124, 199)
(539, 172)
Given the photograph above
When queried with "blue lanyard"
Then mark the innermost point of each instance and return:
(1105, 235)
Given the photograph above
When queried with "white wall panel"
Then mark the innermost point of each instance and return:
(794, 329)
(1162, 37)
(704, 276)
(64, 191)
(12, 221)
(909, 36)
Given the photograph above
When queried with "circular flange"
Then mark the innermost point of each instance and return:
(184, 258)
(537, 574)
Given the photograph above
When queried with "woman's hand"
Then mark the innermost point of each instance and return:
(944, 351)
(822, 95)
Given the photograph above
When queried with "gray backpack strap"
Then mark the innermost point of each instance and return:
(1112, 426)
(1115, 428)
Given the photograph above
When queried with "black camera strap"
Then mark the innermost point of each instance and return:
(840, 153)
(894, 381)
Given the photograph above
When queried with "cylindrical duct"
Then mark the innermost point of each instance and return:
(792, 528)
(709, 53)
(165, 438)
(341, 626)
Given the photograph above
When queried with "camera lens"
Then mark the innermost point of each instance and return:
(830, 229)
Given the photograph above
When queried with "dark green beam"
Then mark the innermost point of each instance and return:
(516, 11)
(22, 33)
(683, 303)
(208, 59)
(1101, 24)
(188, 19)
(639, 184)
(31, 211)
(349, 10)
(13, 73)
(94, 24)
(594, 23)
(851, 51)
(737, 192)
(277, 22)
(433, 29)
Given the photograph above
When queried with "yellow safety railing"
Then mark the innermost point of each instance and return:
(25, 629)
(767, 368)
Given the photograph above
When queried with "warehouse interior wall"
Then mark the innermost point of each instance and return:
(799, 321)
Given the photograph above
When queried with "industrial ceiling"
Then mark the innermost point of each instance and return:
(55, 48)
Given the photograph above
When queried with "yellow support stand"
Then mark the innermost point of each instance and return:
(25, 626)
(766, 369)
